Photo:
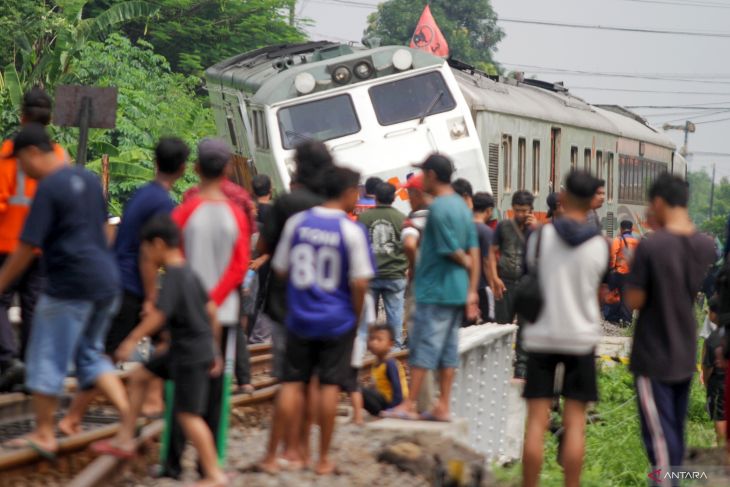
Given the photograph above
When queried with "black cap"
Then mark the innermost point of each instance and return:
(441, 165)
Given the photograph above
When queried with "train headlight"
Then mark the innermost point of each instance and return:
(341, 75)
(305, 83)
(402, 59)
(457, 128)
(363, 70)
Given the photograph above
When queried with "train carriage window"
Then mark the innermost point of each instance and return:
(573, 157)
(324, 119)
(536, 166)
(599, 165)
(521, 162)
(411, 98)
(609, 176)
(507, 162)
(232, 132)
(587, 160)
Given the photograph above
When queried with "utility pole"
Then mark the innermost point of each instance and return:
(292, 11)
(712, 191)
(687, 128)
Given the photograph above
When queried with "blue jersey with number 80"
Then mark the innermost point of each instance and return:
(322, 251)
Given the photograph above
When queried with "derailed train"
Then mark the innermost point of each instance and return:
(381, 109)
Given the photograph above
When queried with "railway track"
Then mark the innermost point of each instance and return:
(76, 465)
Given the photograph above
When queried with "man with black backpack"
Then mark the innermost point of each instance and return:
(622, 255)
(569, 258)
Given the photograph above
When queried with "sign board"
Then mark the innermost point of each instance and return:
(85, 107)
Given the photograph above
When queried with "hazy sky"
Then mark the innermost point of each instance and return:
(698, 61)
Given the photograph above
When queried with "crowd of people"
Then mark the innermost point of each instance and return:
(183, 288)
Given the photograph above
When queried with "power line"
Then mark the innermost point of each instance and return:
(616, 28)
(681, 3)
(347, 3)
(713, 121)
(577, 72)
(713, 154)
(651, 92)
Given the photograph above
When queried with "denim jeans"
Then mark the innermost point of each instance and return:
(393, 293)
(68, 331)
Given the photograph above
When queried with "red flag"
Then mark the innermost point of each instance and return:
(428, 36)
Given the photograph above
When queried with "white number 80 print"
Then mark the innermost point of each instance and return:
(310, 266)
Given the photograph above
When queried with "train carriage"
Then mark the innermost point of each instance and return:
(380, 110)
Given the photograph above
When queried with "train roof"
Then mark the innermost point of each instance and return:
(553, 103)
(268, 74)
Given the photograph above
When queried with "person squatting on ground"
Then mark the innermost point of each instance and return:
(74, 310)
(714, 370)
(506, 259)
(387, 374)
(326, 260)
(447, 274)
(384, 224)
(622, 255)
(571, 259)
(664, 280)
(16, 195)
(192, 358)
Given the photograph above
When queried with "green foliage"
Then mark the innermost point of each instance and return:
(195, 34)
(470, 27)
(152, 102)
(615, 454)
(700, 183)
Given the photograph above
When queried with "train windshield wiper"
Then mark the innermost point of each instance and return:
(297, 135)
(431, 106)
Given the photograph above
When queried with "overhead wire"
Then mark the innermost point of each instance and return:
(681, 3)
(650, 92)
(639, 30)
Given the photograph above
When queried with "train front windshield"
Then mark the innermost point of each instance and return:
(411, 98)
(326, 119)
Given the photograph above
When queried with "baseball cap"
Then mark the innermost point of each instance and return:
(439, 164)
(215, 151)
(414, 182)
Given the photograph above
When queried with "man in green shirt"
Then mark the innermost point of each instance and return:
(446, 280)
(384, 224)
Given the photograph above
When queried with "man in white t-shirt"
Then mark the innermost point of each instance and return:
(571, 259)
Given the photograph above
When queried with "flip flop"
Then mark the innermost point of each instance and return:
(429, 416)
(257, 468)
(44, 453)
(105, 447)
(396, 414)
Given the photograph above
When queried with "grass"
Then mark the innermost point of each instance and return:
(614, 451)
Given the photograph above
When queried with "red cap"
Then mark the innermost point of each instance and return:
(414, 182)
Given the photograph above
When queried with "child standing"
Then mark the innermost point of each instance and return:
(192, 357)
(325, 258)
(388, 374)
(714, 368)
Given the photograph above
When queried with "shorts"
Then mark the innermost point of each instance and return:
(329, 358)
(124, 322)
(716, 400)
(192, 382)
(68, 331)
(434, 338)
(578, 382)
(351, 383)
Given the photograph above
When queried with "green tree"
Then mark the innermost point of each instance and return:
(195, 34)
(153, 102)
(47, 38)
(470, 27)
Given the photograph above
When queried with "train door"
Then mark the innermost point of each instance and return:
(554, 158)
